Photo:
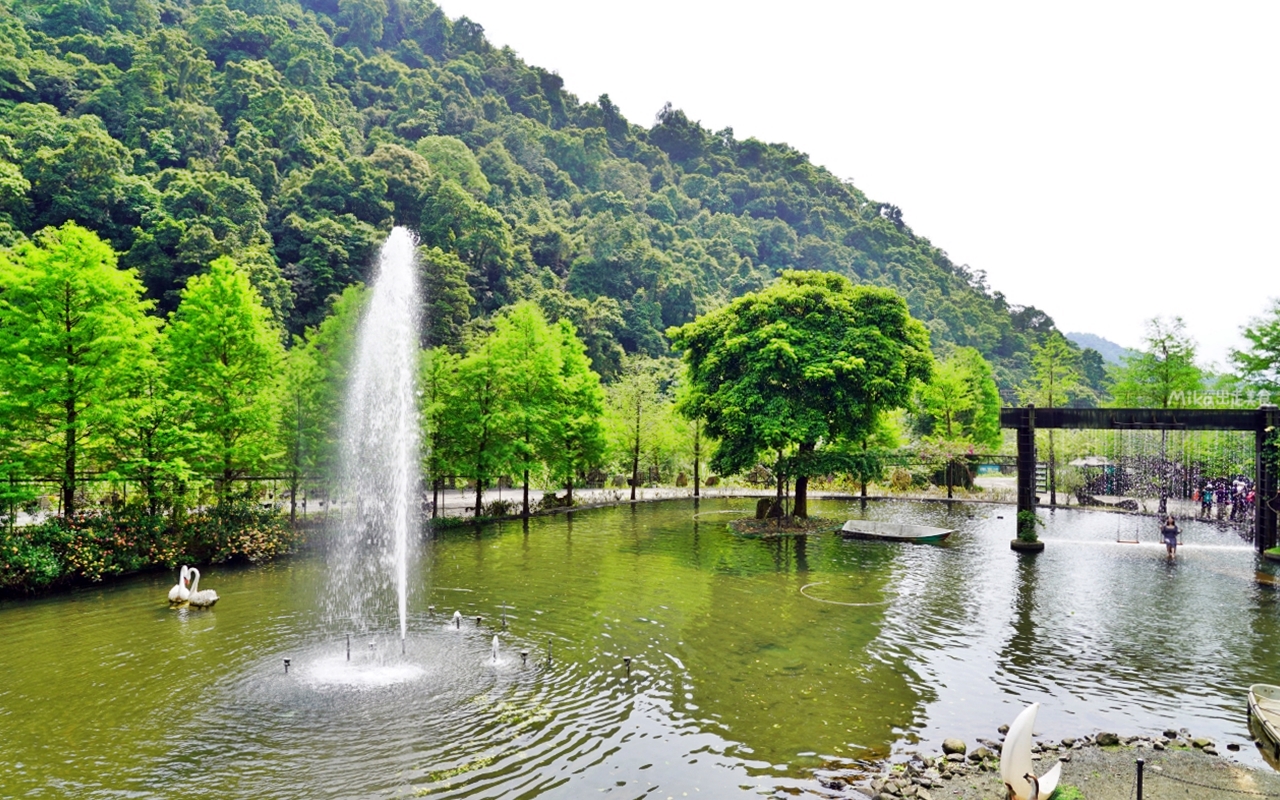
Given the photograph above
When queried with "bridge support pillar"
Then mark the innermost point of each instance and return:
(1026, 439)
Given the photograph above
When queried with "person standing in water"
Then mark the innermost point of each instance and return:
(1170, 533)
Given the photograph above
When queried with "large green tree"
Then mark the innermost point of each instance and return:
(578, 439)
(528, 361)
(475, 414)
(960, 402)
(808, 361)
(1163, 374)
(73, 335)
(634, 402)
(1259, 363)
(223, 356)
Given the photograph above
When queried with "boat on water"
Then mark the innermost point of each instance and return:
(1264, 716)
(894, 531)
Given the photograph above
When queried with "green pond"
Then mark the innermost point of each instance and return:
(757, 665)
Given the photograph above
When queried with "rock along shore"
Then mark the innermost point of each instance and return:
(1097, 767)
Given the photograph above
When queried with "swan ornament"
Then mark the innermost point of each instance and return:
(201, 598)
(1016, 765)
(179, 593)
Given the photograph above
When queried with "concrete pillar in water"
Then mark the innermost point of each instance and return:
(1026, 438)
(1265, 467)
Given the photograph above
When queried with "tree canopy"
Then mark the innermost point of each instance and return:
(1163, 374)
(810, 360)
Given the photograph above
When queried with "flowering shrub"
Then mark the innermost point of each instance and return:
(240, 529)
(91, 545)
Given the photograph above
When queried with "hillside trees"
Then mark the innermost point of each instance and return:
(811, 360)
(290, 136)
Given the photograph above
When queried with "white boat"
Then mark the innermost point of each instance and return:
(893, 531)
(1264, 716)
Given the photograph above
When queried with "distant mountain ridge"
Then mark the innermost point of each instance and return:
(1111, 352)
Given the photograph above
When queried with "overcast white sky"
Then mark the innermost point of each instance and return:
(1105, 162)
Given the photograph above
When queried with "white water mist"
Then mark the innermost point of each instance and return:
(375, 546)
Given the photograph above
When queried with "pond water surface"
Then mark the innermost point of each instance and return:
(756, 664)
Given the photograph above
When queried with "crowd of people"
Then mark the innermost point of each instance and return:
(1236, 494)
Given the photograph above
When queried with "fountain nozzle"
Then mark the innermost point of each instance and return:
(524, 658)
(627, 660)
(478, 620)
(431, 609)
(457, 620)
(286, 666)
(348, 647)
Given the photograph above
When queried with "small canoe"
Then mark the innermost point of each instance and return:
(1264, 715)
(893, 531)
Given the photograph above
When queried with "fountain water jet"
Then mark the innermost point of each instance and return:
(380, 478)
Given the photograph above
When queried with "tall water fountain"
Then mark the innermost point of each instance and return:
(375, 548)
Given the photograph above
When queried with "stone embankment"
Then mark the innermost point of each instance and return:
(1097, 767)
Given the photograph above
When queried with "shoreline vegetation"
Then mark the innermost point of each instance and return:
(56, 553)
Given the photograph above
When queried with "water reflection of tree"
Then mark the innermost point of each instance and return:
(790, 553)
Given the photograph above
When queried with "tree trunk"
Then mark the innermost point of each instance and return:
(635, 466)
(479, 494)
(635, 455)
(568, 486)
(525, 512)
(697, 455)
(435, 497)
(802, 486)
(1053, 483)
(293, 498)
(862, 477)
(69, 462)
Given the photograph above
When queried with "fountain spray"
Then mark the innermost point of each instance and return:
(381, 472)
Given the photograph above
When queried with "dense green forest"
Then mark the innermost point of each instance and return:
(291, 135)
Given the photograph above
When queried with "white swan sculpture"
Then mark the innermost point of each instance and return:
(200, 598)
(179, 593)
(1016, 765)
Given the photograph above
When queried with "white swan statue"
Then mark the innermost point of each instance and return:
(1016, 765)
(202, 598)
(179, 593)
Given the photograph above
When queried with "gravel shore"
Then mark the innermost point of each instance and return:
(1174, 767)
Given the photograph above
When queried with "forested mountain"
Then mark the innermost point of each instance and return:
(1111, 352)
(291, 135)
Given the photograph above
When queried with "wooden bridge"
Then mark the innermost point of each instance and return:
(1262, 421)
